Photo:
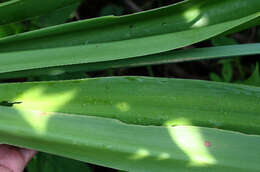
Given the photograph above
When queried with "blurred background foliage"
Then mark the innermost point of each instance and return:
(243, 70)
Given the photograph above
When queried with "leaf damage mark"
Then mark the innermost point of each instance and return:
(9, 104)
(207, 143)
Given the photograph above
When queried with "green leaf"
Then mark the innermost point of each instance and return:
(11, 29)
(99, 64)
(111, 10)
(117, 145)
(5, 30)
(71, 118)
(50, 163)
(227, 71)
(59, 16)
(164, 29)
(144, 101)
(17, 10)
(254, 78)
(215, 77)
(223, 40)
(129, 37)
(227, 68)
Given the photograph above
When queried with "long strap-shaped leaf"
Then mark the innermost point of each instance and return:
(114, 50)
(184, 16)
(144, 101)
(161, 58)
(16, 10)
(130, 147)
(118, 46)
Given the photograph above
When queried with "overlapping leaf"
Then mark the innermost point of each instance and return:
(70, 118)
(144, 101)
(166, 57)
(114, 38)
(17, 10)
(130, 147)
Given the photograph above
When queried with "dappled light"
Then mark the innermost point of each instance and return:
(140, 107)
(151, 122)
(203, 21)
(140, 154)
(164, 156)
(36, 119)
(48, 102)
(182, 146)
(195, 17)
(191, 14)
(41, 110)
(123, 106)
(177, 121)
(192, 143)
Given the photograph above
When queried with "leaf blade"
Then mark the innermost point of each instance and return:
(137, 100)
(17, 10)
(129, 146)
(155, 59)
(23, 60)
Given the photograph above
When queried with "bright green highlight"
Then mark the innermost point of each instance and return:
(145, 101)
(193, 144)
(132, 147)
